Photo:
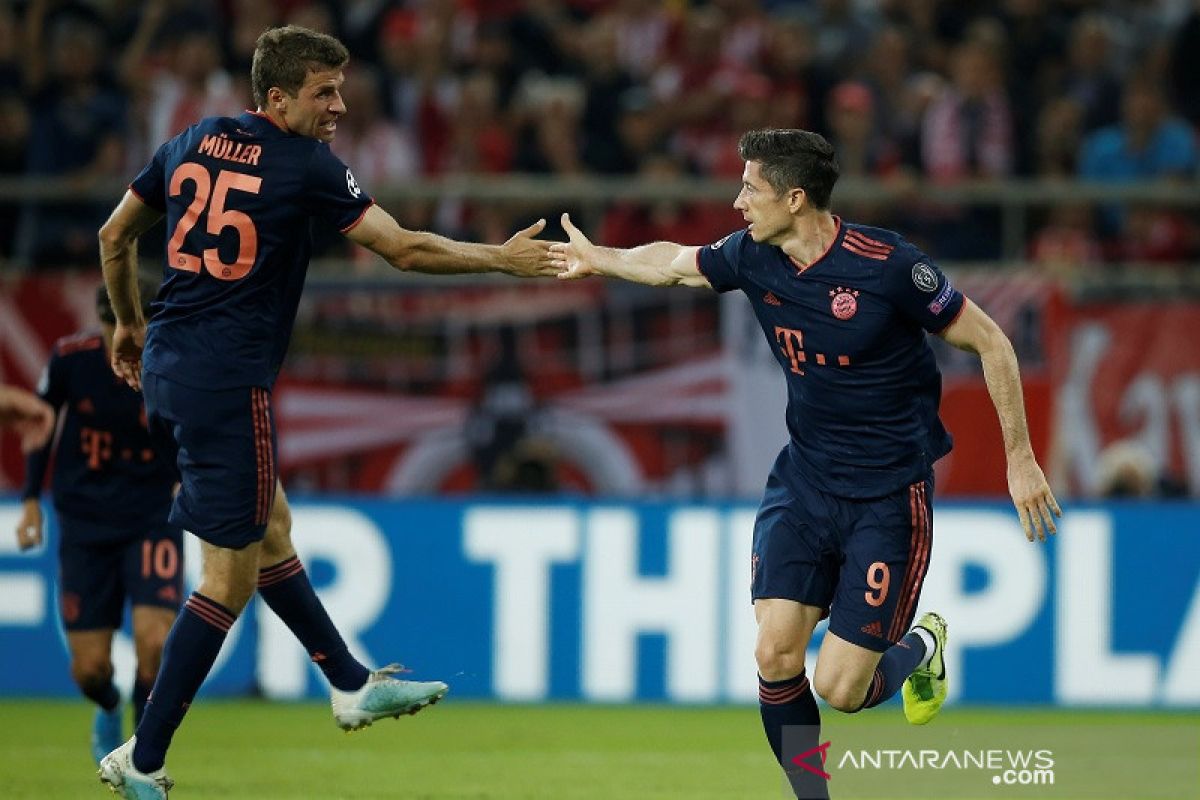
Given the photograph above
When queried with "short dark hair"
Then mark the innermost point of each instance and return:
(284, 56)
(792, 159)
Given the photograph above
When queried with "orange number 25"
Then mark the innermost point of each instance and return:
(218, 217)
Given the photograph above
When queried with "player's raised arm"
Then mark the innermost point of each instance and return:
(656, 264)
(976, 332)
(419, 251)
(118, 258)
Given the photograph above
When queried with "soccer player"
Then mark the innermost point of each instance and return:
(28, 414)
(844, 526)
(112, 494)
(238, 194)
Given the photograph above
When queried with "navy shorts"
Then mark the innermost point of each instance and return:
(223, 443)
(863, 561)
(100, 566)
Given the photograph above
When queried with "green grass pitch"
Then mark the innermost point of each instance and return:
(260, 750)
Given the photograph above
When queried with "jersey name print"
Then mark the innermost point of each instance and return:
(849, 332)
(239, 195)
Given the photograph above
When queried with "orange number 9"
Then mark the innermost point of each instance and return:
(878, 578)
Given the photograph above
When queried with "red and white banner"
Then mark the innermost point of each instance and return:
(1128, 372)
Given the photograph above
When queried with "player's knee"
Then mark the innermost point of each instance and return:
(840, 695)
(91, 672)
(149, 647)
(778, 661)
(277, 543)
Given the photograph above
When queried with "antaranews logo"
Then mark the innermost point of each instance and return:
(1005, 767)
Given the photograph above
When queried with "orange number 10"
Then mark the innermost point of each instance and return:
(218, 217)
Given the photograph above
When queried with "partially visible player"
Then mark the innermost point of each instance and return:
(28, 414)
(239, 194)
(845, 524)
(111, 494)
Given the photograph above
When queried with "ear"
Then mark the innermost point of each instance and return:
(796, 198)
(276, 98)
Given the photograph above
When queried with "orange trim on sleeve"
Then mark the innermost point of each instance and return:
(958, 314)
(354, 224)
(701, 270)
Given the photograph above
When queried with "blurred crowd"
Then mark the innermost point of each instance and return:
(907, 90)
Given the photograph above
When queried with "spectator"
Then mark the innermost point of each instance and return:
(1058, 138)
(604, 81)
(76, 133)
(967, 131)
(862, 150)
(1148, 143)
(798, 82)
(192, 85)
(641, 33)
(1091, 81)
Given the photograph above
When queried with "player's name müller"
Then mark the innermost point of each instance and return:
(221, 146)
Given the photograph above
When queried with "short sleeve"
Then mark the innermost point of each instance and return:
(52, 385)
(151, 183)
(332, 192)
(922, 292)
(718, 262)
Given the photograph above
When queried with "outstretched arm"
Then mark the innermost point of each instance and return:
(522, 255)
(976, 332)
(118, 258)
(656, 264)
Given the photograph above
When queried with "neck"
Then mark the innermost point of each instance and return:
(275, 117)
(810, 237)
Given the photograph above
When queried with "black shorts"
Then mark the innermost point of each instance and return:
(223, 443)
(863, 561)
(99, 569)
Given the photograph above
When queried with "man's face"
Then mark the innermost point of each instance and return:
(315, 109)
(766, 212)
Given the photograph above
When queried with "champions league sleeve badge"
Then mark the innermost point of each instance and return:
(923, 277)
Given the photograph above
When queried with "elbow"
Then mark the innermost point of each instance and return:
(112, 237)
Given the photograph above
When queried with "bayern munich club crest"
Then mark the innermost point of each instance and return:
(845, 302)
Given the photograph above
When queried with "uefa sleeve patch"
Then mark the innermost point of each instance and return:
(939, 303)
(352, 185)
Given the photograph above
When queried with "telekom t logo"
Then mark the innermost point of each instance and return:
(823, 749)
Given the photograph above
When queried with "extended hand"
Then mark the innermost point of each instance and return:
(127, 353)
(573, 258)
(1031, 494)
(29, 527)
(528, 257)
(29, 414)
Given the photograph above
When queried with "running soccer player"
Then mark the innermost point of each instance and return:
(238, 194)
(844, 527)
(111, 493)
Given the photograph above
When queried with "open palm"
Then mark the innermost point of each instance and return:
(575, 257)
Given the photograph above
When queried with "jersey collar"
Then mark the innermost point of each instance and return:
(803, 268)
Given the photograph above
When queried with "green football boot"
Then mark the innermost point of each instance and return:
(924, 691)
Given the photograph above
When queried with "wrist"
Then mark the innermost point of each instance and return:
(1021, 455)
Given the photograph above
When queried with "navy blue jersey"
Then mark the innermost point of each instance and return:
(105, 469)
(239, 195)
(849, 333)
